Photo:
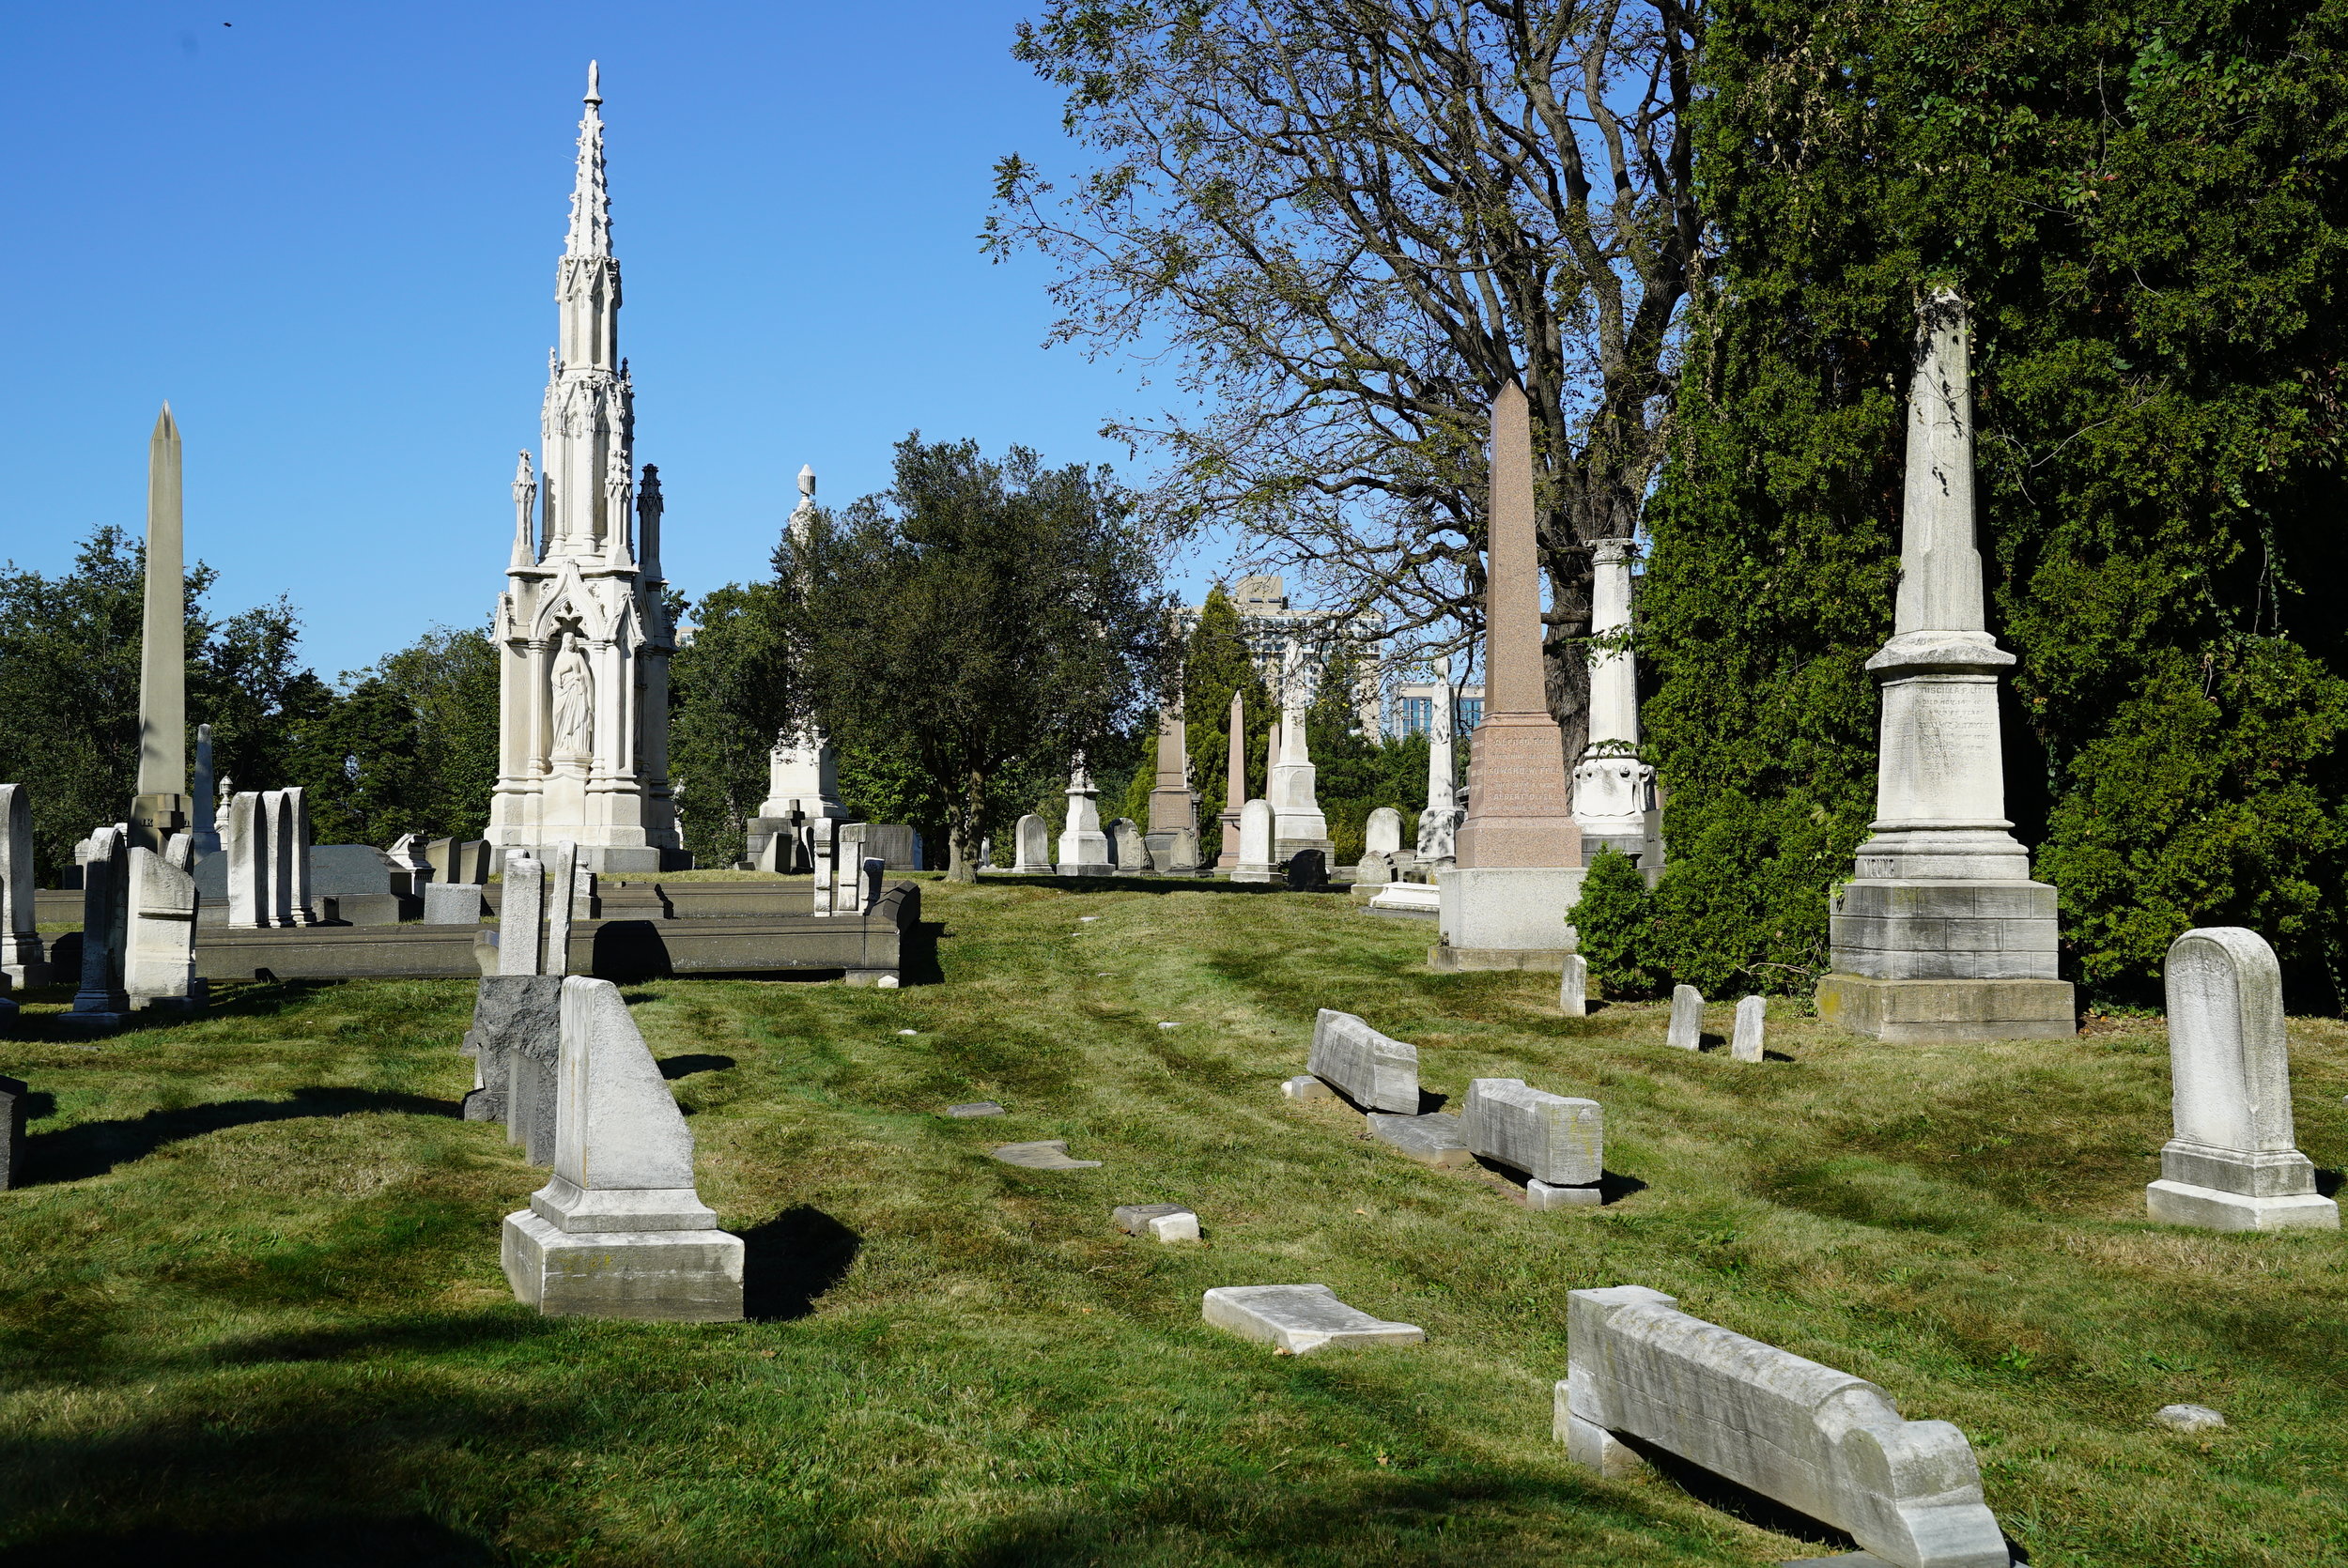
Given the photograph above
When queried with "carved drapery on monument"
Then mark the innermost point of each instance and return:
(582, 633)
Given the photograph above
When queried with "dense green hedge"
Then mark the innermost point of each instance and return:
(2144, 202)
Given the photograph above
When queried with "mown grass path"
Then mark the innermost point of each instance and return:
(251, 1308)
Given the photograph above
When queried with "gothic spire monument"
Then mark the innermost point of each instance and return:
(582, 635)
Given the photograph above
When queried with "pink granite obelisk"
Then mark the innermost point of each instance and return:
(1518, 858)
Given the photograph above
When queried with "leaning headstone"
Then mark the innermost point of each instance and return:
(1032, 844)
(1687, 1024)
(22, 959)
(1308, 869)
(1558, 1143)
(1300, 1318)
(454, 904)
(516, 1042)
(2234, 1163)
(1374, 870)
(1160, 1222)
(1573, 989)
(1373, 1070)
(620, 1231)
(1752, 1022)
(101, 1003)
(561, 864)
(159, 929)
(521, 916)
(1256, 823)
(1049, 1155)
(12, 1113)
(1819, 1441)
(1128, 852)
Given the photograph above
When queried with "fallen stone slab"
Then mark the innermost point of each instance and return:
(1050, 1155)
(975, 1108)
(1820, 1441)
(1374, 1071)
(1305, 1086)
(1300, 1318)
(1161, 1222)
(1432, 1140)
(1553, 1139)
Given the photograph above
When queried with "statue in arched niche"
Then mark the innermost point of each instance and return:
(574, 704)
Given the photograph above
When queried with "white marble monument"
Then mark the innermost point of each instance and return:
(1297, 821)
(1942, 935)
(582, 635)
(1032, 846)
(1083, 847)
(802, 770)
(1255, 843)
(1613, 790)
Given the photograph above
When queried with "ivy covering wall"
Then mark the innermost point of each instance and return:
(2144, 203)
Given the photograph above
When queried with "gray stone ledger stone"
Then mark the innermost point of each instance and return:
(1817, 1440)
(1433, 1139)
(13, 1112)
(1048, 1154)
(619, 1230)
(974, 1108)
(516, 1043)
(1752, 1022)
(2188, 1418)
(2234, 1163)
(1687, 1025)
(1300, 1318)
(1556, 1141)
(1375, 1072)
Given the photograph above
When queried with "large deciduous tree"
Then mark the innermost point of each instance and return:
(982, 614)
(1348, 221)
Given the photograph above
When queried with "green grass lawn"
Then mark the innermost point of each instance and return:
(251, 1311)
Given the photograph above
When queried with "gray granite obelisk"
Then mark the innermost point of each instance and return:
(160, 808)
(1942, 935)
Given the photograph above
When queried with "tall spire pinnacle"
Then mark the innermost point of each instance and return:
(591, 203)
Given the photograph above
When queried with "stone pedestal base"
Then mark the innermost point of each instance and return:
(1930, 1011)
(1509, 909)
(1089, 868)
(1254, 873)
(619, 857)
(93, 1023)
(661, 1276)
(2178, 1202)
(1443, 958)
(1920, 928)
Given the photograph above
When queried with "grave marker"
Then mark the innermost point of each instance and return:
(1687, 1025)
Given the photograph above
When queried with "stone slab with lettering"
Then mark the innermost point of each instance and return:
(1046, 1155)
(1375, 1072)
(1300, 1318)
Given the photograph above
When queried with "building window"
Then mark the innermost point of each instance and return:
(1418, 715)
(1470, 712)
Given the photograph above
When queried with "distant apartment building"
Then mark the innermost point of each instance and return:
(1269, 625)
(1414, 708)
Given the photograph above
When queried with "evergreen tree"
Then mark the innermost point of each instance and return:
(1615, 924)
(2145, 209)
(730, 697)
(1215, 664)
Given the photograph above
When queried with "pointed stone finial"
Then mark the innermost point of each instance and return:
(594, 93)
(807, 480)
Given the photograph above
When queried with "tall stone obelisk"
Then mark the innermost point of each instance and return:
(582, 629)
(1942, 935)
(160, 807)
(1612, 788)
(1173, 836)
(1234, 787)
(1518, 860)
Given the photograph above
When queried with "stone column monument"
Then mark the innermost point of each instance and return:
(1439, 824)
(1942, 935)
(1298, 823)
(1518, 861)
(1234, 788)
(1084, 849)
(1612, 788)
(582, 629)
(160, 807)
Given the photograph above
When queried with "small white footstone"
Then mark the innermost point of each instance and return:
(1687, 1025)
(1050, 1155)
(1432, 1140)
(1305, 1086)
(1300, 1318)
(2188, 1418)
(1829, 1444)
(1548, 1137)
(1375, 1072)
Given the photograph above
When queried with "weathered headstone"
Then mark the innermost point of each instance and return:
(1559, 1143)
(1032, 846)
(1574, 989)
(823, 849)
(248, 854)
(1382, 833)
(159, 929)
(1686, 1032)
(516, 1043)
(459, 860)
(1308, 869)
(2234, 1163)
(1255, 843)
(896, 844)
(619, 1230)
(1752, 1022)
(101, 1003)
(1374, 1071)
(1128, 849)
(1300, 1318)
(12, 1113)
(1817, 1440)
(521, 916)
(1376, 869)
(849, 894)
(457, 903)
(298, 905)
(562, 863)
(23, 962)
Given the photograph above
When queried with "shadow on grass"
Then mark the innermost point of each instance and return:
(93, 1148)
(425, 1336)
(412, 1542)
(793, 1259)
(1719, 1492)
(1145, 885)
(918, 960)
(675, 1067)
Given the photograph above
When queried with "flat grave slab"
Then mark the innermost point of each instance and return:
(1300, 1318)
(1049, 1155)
(1433, 1139)
(975, 1108)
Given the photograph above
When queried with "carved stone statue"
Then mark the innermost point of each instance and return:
(574, 704)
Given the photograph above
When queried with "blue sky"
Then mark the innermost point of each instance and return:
(327, 233)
